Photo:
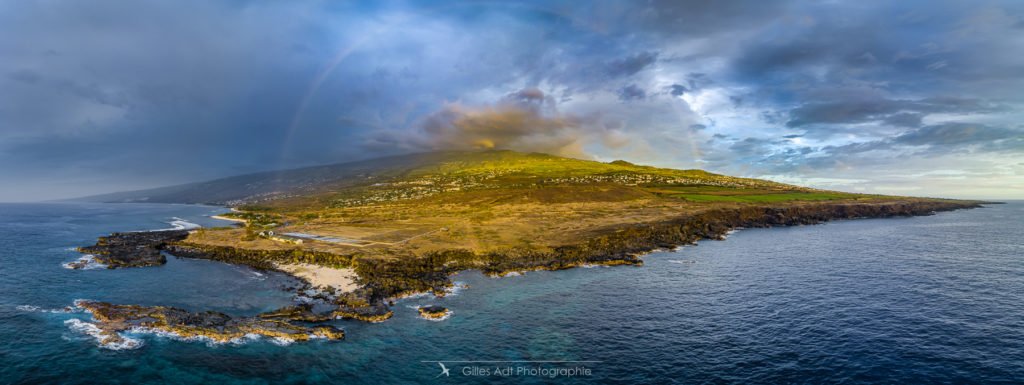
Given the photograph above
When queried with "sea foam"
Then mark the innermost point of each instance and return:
(179, 224)
(91, 330)
(88, 262)
(37, 309)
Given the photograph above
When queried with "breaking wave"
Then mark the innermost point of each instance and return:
(179, 224)
(88, 262)
(91, 330)
(37, 309)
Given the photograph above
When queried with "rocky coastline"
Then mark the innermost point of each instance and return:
(132, 249)
(112, 319)
(381, 281)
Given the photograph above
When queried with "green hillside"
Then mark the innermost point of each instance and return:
(428, 174)
(544, 178)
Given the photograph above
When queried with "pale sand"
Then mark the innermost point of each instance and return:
(341, 279)
(227, 219)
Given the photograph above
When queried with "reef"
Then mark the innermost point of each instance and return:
(434, 312)
(131, 249)
(112, 319)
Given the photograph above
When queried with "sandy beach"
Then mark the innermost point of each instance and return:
(227, 219)
(341, 279)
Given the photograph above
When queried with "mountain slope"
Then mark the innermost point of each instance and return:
(352, 181)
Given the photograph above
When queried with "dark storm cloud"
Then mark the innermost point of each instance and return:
(631, 64)
(141, 94)
(632, 92)
(861, 105)
(956, 135)
(673, 19)
(904, 119)
(934, 140)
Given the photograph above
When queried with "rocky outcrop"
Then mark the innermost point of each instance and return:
(434, 312)
(132, 249)
(373, 313)
(301, 313)
(112, 319)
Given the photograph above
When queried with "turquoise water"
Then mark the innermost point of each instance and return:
(918, 300)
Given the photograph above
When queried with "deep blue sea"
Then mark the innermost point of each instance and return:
(936, 299)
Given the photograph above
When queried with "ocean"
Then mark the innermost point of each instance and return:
(936, 299)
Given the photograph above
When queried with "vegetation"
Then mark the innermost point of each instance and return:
(778, 197)
(406, 229)
(492, 201)
(255, 219)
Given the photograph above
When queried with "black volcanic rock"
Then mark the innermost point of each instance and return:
(112, 319)
(433, 312)
(133, 249)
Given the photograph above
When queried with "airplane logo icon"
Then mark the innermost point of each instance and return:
(444, 370)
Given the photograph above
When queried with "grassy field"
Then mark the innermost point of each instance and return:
(498, 201)
(405, 230)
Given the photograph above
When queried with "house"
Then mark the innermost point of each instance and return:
(282, 238)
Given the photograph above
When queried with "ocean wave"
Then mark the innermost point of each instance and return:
(30, 308)
(210, 342)
(93, 331)
(410, 296)
(176, 224)
(132, 337)
(179, 224)
(281, 341)
(253, 274)
(731, 232)
(37, 309)
(88, 262)
(681, 261)
(456, 287)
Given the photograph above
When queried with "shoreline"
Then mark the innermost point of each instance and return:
(228, 219)
(384, 281)
(321, 276)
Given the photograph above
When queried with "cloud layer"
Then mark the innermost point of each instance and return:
(909, 98)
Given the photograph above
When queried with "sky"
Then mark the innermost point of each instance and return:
(922, 98)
